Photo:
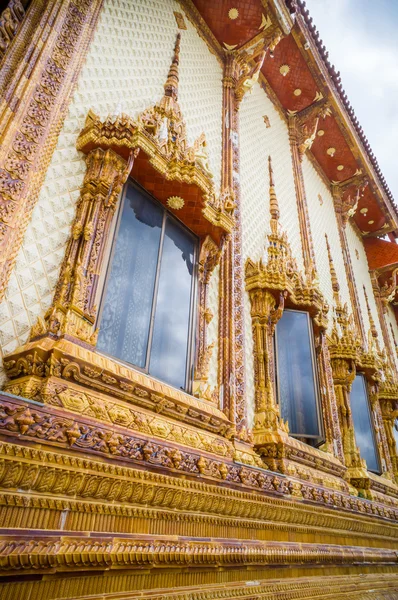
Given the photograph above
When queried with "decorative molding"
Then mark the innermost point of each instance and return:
(348, 355)
(271, 286)
(10, 22)
(63, 553)
(71, 474)
(30, 139)
(42, 367)
(356, 586)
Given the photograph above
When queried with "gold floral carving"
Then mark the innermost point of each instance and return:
(38, 368)
(46, 84)
(209, 257)
(271, 285)
(349, 355)
(10, 20)
(160, 133)
(91, 442)
(67, 554)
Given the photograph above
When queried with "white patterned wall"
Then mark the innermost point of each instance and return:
(362, 278)
(256, 143)
(323, 220)
(126, 67)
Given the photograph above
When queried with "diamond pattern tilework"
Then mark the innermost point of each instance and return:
(362, 278)
(256, 143)
(125, 70)
(212, 331)
(323, 220)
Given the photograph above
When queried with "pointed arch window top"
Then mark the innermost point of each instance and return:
(166, 165)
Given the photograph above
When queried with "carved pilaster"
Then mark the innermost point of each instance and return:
(73, 311)
(30, 114)
(343, 349)
(381, 436)
(343, 375)
(341, 214)
(208, 259)
(381, 299)
(231, 370)
(302, 131)
(241, 71)
(271, 285)
(389, 414)
(265, 314)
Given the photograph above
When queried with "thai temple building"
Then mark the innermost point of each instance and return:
(199, 309)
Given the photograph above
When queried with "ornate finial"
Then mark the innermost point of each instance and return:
(373, 329)
(171, 85)
(333, 275)
(274, 206)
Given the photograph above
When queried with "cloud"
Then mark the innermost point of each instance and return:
(363, 46)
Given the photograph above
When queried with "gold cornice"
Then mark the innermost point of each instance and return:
(63, 553)
(46, 365)
(75, 478)
(353, 585)
(35, 422)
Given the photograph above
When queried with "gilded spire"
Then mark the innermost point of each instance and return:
(333, 275)
(373, 329)
(274, 206)
(171, 85)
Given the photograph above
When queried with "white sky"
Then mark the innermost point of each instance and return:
(362, 41)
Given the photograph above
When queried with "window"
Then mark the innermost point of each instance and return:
(147, 306)
(395, 434)
(364, 434)
(297, 386)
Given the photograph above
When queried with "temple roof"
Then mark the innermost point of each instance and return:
(380, 253)
(298, 74)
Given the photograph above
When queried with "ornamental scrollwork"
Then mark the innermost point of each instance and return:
(272, 285)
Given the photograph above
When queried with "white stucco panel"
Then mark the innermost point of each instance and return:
(323, 221)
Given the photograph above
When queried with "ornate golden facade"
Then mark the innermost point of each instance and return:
(114, 484)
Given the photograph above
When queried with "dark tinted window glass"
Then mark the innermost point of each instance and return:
(170, 334)
(146, 310)
(295, 374)
(127, 308)
(362, 423)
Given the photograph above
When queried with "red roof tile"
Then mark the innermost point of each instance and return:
(380, 253)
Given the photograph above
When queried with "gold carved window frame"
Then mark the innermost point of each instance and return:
(104, 280)
(366, 378)
(315, 369)
(59, 364)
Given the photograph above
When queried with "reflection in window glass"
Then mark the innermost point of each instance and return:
(362, 423)
(170, 334)
(147, 307)
(127, 307)
(295, 374)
